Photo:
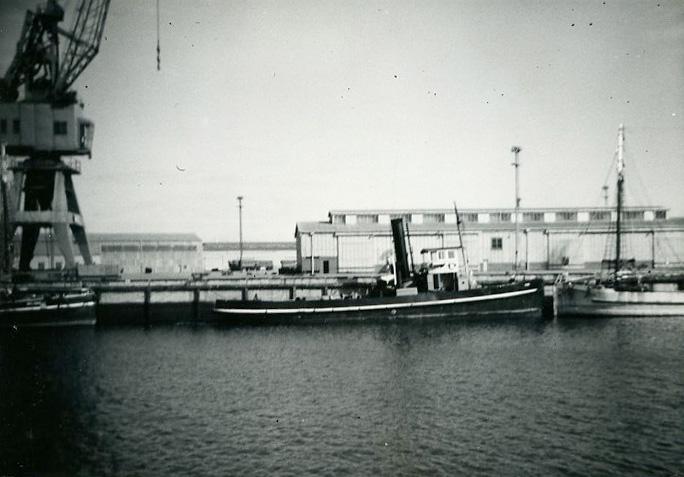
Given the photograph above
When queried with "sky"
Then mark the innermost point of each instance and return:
(307, 106)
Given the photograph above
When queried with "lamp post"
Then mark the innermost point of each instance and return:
(239, 198)
(516, 163)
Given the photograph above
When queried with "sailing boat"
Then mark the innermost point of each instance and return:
(21, 306)
(625, 293)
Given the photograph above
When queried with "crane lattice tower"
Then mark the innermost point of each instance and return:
(43, 127)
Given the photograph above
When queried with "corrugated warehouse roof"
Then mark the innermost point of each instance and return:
(250, 246)
(485, 210)
(326, 227)
(143, 237)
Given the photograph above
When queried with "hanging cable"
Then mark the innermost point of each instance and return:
(158, 48)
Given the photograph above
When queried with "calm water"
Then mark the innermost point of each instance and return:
(603, 397)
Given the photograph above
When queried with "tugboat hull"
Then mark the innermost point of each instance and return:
(520, 299)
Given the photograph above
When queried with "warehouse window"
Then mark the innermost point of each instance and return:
(599, 215)
(59, 128)
(566, 216)
(660, 214)
(16, 126)
(469, 217)
(433, 218)
(3, 126)
(367, 219)
(406, 217)
(633, 215)
(498, 217)
(497, 243)
(533, 217)
(339, 219)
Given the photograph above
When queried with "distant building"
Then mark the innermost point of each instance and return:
(130, 252)
(360, 241)
(219, 255)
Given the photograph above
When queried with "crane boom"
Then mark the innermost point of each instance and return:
(37, 64)
(84, 42)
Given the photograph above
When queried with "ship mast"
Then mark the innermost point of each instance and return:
(620, 184)
(460, 237)
(6, 258)
(516, 150)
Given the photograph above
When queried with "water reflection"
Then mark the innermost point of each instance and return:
(479, 396)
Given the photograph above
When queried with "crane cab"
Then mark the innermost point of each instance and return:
(446, 269)
(41, 127)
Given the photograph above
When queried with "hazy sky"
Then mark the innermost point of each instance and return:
(307, 106)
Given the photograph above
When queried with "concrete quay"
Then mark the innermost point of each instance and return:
(178, 301)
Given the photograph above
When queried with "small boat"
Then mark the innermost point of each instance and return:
(65, 307)
(444, 289)
(626, 292)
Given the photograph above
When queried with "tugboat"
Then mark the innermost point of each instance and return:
(445, 289)
(626, 292)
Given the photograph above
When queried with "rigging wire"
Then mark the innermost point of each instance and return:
(578, 245)
(665, 240)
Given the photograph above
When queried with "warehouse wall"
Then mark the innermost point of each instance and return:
(366, 253)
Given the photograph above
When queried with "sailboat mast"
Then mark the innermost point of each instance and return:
(620, 183)
(6, 260)
(516, 150)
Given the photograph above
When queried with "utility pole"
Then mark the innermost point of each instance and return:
(239, 198)
(516, 150)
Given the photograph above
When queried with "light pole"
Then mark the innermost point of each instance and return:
(516, 150)
(239, 198)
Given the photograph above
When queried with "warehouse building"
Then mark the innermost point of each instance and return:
(271, 256)
(128, 253)
(360, 241)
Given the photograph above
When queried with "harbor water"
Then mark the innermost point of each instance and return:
(506, 397)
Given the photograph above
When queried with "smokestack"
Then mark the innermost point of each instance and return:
(400, 253)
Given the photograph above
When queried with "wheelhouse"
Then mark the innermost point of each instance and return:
(447, 269)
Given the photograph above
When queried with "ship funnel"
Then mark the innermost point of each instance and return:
(402, 265)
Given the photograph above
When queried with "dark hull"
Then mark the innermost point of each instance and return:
(520, 299)
(54, 310)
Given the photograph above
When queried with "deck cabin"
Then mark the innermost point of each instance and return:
(447, 270)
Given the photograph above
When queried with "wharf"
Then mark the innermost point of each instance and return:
(189, 300)
(148, 299)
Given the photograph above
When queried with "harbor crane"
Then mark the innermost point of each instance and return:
(43, 126)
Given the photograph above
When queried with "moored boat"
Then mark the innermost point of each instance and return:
(627, 291)
(65, 307)
(596, 299)
(443, 289)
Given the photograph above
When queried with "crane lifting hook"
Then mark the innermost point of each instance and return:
(158, 48)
